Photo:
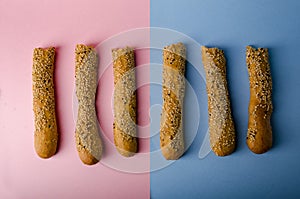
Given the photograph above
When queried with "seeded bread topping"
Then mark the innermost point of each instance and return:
(171, 124)
(124, 125)
(259, 136)
(45, 134)
(221, 126)
(88, 141)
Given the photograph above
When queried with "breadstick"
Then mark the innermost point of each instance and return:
(89, 145)
(171, 124)
(259, 136)
(45, 134)
(124, 125)
(221, 126)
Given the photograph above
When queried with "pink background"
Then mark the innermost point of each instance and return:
(25, 25)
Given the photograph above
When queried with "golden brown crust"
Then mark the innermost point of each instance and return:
(124, 125)
(259, 136)
(221, 126)
(88, 142)
(171, 124)
(84, 154)
(45, 134)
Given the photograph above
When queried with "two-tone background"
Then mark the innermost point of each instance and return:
(148, 26)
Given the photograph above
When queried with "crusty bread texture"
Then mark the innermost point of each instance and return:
(221, 125)
(259, 136)
(88, 141)
(173, 88)
(45, 134)
(124, 126)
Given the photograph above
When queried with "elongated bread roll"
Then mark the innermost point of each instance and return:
(89, 145)
(124, 126)
(171, 124)
(45, 134)
(221, 126)
(259, 136)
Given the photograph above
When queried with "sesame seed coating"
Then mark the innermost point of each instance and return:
(45, 134)
(171, 123)
(124, 126)
(89, 145)
(221, 126)
(259, 136)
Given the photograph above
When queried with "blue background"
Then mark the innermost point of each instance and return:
(232, 25)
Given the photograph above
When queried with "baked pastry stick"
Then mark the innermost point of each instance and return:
(89, 145)
(124, 126)
(173, 88)
(259, 136)
(221, 126)
(45, 133)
